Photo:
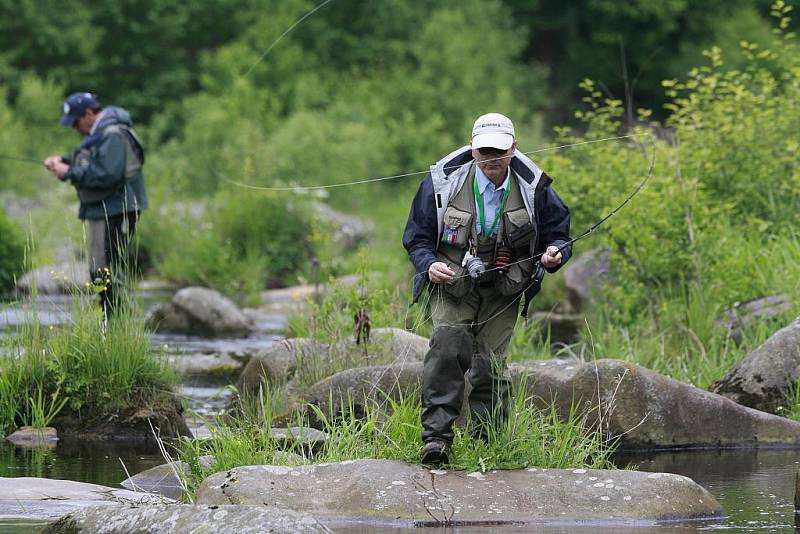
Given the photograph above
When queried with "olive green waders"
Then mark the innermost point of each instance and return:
(473, 320)
(470, 336)
(108, 242)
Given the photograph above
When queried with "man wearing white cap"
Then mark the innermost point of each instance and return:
(484, 226)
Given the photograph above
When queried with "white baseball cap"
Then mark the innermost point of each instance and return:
(493, 130)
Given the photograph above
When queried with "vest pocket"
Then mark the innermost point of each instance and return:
(456, 227)
(520, 231)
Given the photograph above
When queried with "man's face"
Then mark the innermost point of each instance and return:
(494, 162)
(85, 122)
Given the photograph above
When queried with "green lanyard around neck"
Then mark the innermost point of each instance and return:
(482, 214)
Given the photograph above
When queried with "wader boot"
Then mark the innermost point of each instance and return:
(434, 453)
(108, 244)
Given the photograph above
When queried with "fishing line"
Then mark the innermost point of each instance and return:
(594, 226)
(21, 159)
(284, 34)
(417, 173)
(427, 295)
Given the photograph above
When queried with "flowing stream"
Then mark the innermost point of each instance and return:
(755, 487)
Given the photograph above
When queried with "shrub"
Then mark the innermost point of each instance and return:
(12, 253)
(242, 242)
(716, 222)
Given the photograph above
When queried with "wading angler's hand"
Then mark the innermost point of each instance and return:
(439, 272)
(552, 257)
(56, 166)
(60, 170)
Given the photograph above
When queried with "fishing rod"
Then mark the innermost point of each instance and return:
(21, 159)
(591, 228)
(417, 173)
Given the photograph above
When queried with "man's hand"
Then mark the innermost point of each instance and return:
(56, 166)
(50, 162)
(552, 257)
(439, 272)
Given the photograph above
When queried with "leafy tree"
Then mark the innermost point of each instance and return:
(629, 47)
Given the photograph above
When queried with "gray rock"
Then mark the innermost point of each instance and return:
(185, 518)
(348, 231)
(278, 362)
(207, 368)
(647, 410)
(200, 311)
(166, 317)
(29, 436)
(38, 498)
(763, 378)
(55, 279)
(411, 494)
(385, 345)
(161, 479)
(584, 276)
(309, 440)
(744, 314)
(362, 387)
(562, 328)
(644, 409)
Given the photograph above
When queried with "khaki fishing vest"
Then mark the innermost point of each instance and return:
(514, 230)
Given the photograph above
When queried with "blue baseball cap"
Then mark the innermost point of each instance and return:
(76, 105)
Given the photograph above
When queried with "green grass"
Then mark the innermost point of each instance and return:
(82, 367)
(392, 431)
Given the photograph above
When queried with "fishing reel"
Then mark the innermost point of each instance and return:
(474, 265)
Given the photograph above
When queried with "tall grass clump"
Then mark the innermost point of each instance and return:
(86, 368)
(391, 430)
(331, 314)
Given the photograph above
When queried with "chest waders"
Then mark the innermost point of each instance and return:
(108, 238)
(473, 320)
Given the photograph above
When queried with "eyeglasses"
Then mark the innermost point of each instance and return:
(490, 151)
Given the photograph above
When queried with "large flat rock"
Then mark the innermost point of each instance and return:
(185, 518)
(37, 498)
(412, 494)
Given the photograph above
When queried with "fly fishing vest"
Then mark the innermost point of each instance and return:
(515, 231)
(134, 159)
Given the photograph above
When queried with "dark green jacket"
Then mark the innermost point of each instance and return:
(98, 169)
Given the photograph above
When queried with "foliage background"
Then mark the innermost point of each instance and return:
(367, 89)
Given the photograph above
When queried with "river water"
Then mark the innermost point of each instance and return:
(754, 487)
